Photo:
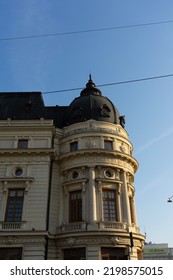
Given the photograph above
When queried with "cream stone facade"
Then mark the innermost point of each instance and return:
(67, 189)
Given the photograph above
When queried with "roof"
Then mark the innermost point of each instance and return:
(89, 105)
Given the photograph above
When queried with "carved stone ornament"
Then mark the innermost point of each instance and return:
(115, 240)
(123, 148)
(90, 144)
(9, 240)
(105, 111)
(92, 125)
(70, 241)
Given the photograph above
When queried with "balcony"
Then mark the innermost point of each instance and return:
(97, 226)
(11, 226)
(112, 226)
(80, 226)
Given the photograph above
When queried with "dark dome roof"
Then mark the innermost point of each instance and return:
(92, 105)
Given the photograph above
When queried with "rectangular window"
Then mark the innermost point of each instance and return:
(108, 145)
(11, 253)
(75, 254)
(75, 206)
(22, 144)
(14, 205)
(73, 146)
(109, 205)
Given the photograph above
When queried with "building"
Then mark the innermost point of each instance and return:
(154, 251)
(66, 179)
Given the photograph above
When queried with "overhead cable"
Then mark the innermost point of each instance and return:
(85, 31)
(113, 83)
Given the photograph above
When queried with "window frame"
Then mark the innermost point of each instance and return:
(108, 145)
(74, 146)
(22, 143)
(75, 206)
(14, 199)
(109, 215)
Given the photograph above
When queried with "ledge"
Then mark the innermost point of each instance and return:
(17, 179)
(28, 151)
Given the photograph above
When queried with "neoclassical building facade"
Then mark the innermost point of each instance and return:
(66, 180)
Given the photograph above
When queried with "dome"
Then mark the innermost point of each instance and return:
(92, 105)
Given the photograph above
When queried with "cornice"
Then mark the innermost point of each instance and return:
(100, 152)
(17, 179)
(28, 151)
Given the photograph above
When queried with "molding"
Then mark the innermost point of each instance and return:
(28, 151)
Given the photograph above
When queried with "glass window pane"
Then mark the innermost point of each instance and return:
(14, 206)
(75, 206)
(108, 145)
(109, 205)
(22, 143)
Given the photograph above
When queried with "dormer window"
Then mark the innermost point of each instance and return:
(22, 144)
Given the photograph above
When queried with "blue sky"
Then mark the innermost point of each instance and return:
(62, 62)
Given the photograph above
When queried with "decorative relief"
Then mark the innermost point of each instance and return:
(90, 144)
(115, 240)
(92, 125)
(10, 240)
(70, 241)
(105, 111)
(97, 159)
(117, 174)
(123, 148)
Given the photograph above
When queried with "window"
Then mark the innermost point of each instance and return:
(14, 205)
(18, 172)
(11, 253)
(75, 175)
(108, 145)
(73, 146)
(113, 254)
(22, 144)
(109, 205)
(108, 173)
(75, 206)
(75, 254)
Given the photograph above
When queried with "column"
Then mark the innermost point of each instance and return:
(100, 202)
(134, 211)
(83, 201)
(126, 199)
(92, 195)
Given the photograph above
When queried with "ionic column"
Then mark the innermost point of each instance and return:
(83, 201)
(92, 195)
(126, 199)
(100, 202)
(134, 218)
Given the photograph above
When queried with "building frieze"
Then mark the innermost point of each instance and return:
(16, 240)
(98, 158)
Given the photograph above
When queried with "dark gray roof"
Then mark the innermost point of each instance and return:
(89, 105)
(28, 106)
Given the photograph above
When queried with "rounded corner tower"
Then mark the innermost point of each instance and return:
(96, 201)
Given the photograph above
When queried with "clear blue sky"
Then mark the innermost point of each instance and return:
(62, 62)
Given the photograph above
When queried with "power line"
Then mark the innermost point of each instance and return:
(86, 31)
(113, 83)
